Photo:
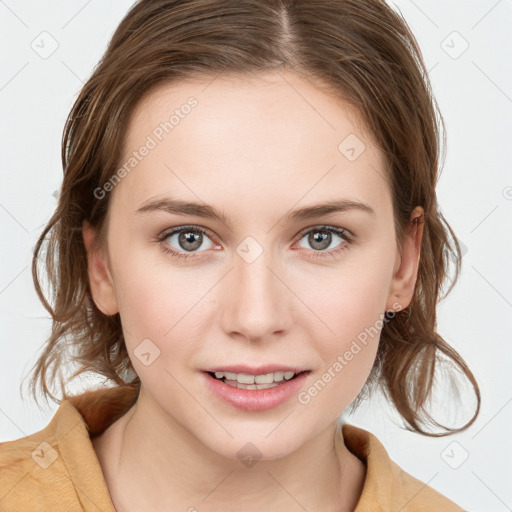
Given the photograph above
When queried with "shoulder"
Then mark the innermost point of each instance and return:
(418, 496)
(387, 486)
(31, 467)
(55, 468)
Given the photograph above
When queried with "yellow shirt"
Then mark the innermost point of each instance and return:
(56, 469)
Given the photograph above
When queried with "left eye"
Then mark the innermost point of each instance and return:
(320, 238)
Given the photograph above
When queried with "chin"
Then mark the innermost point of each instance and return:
(249, 448)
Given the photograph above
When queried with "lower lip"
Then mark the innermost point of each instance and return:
(255, 399)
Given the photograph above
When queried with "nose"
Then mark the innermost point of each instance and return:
(259, 304)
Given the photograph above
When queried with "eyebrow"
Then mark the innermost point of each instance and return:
(179, 207)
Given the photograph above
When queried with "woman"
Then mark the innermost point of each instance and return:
(247, 243)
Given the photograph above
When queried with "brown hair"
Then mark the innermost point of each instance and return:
(365, 53)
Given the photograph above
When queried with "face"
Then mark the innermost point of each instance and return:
(259, 284)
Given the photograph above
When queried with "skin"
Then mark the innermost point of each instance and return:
(255, 149)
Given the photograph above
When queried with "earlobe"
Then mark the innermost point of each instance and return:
(100, 277)
(405, 276)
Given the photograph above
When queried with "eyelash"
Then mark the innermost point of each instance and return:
(342, 233)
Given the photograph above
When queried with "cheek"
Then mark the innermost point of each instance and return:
(348, 310)
(346, 299)
(162, 304)
(347, 348)
(142, 301)
(153, 296)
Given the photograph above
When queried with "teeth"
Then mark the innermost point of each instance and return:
(244, 378)
(264, 379)
(236, 384)
(278, 376)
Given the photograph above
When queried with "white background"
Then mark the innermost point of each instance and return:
(474, 92)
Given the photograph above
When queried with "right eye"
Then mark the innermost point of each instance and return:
(187, 239)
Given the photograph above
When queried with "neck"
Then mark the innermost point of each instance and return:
(150, 462)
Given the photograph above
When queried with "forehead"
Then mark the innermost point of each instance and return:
(275, 137)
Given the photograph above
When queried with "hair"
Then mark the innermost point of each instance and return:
(364, 53)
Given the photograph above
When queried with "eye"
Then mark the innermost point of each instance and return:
(322, 237)
(186, 239)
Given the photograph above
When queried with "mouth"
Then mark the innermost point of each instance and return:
(255, 389)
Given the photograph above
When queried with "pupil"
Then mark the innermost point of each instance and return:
(190, 238)
(321, 238)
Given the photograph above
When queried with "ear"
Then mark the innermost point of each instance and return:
(406, 267)
(100, 278)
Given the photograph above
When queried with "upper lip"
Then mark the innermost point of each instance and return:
(256, 370)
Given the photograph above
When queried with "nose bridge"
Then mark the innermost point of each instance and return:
(257, 299)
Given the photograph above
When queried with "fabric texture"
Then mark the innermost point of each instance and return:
(56, 469)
